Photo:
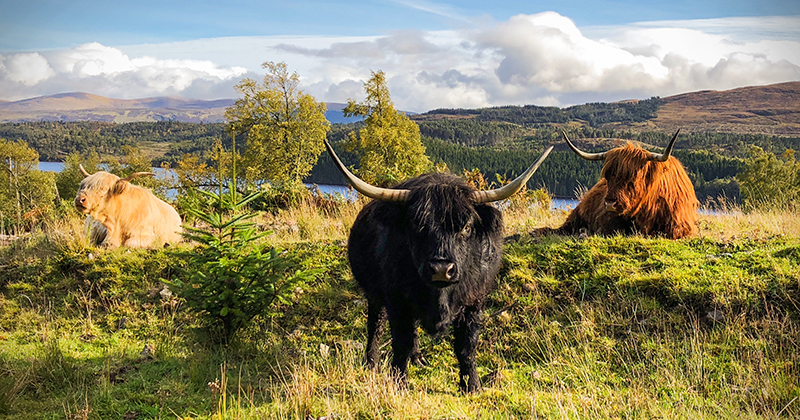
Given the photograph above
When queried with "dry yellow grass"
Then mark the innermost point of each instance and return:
(309, 223)
(731, 222)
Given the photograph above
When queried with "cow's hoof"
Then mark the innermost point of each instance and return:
(418, 360)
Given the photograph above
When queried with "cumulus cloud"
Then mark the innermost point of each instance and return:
(548, 51)
(542, 59)
(546, 59)
(27, 68)
(108, 71)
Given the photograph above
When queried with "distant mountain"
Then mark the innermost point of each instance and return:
(771, 110)
(335, 114)
(79, 106)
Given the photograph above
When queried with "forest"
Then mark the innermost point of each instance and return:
(595, 114)
(56, 140)
(491, 140)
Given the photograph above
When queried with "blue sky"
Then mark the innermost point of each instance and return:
(435, 53)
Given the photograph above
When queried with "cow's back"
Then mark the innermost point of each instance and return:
(145, 220)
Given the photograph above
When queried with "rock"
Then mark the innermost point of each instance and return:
(716, 316)
(148, 352)
(165, 293)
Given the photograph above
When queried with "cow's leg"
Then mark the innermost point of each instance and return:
(113, 239)
(376, 321)
(465, 341)
(574, 223)
(404, 335)
(416, 354)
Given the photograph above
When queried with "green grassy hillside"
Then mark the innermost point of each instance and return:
(583, 328)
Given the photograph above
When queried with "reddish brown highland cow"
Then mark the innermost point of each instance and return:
(639, 192)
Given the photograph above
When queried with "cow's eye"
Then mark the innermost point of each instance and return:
(466, 231)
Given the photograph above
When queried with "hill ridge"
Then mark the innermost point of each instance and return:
(84, 106)
(772, 109)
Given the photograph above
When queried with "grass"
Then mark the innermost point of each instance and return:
(609, 328)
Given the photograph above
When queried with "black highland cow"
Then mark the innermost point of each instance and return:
(427, 253)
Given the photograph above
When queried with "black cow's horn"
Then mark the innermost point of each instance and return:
(663, 157)
(83, 171)
(371, 191)
(581, 153)
(509, 189)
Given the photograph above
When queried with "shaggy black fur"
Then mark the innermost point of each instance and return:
(395, 250)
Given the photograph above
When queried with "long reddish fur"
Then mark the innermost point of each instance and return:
(660, 202)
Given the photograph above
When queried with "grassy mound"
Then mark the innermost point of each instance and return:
(616, 327)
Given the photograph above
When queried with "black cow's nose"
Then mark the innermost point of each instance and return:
(442, 270)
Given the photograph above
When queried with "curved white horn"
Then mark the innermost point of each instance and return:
(581, 153)
(512, 187)
(371, 191)
(83, 171)
(663, 157)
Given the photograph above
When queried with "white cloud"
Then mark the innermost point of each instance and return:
(695, 58)
(546, 59)
(548, 51)
(26, 68)
(91, 60)
(108, 71)
(543, 59)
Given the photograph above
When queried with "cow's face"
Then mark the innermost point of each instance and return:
(94, 190)
(444, 235)
(628, 174)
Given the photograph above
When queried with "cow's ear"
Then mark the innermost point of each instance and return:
(122, 183)
(119, 186)
(490, 219)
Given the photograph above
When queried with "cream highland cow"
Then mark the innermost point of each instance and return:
(123, 214)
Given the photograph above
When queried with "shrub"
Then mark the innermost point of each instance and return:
(770, 182)
(26, 194)
(231, 278)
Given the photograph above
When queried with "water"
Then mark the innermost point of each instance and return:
(59, 166)
(352, 195)
(344, 191)
(51, 166)
(161, 173)
(563, 204)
